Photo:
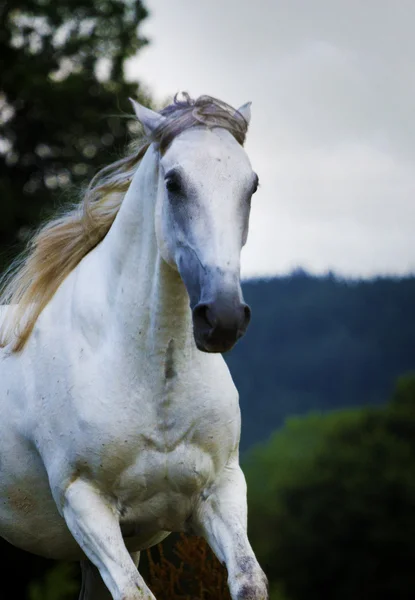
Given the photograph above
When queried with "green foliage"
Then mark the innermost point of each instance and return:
(286, 458)
(339, 516)
(403, 397)
(276, 592)
(58, 583)
(62, 92)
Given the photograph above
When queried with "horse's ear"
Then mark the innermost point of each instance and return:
(148, 118)
(245, 111)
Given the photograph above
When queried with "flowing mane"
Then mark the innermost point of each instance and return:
(58, 247)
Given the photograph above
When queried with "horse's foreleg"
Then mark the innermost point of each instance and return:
(93, 521)
(221, 519)
(93, 588)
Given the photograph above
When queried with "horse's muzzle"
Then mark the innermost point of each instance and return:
(219, 324)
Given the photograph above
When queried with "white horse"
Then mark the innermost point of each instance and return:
(120, 421)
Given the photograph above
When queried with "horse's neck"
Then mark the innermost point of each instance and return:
(147, 300)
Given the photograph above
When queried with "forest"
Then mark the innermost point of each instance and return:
(326, 371)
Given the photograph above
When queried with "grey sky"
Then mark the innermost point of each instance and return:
(333, 120)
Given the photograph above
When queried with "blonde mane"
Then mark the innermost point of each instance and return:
(59, 246)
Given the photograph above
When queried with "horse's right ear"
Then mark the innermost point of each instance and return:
(245, 111)
(148, 118)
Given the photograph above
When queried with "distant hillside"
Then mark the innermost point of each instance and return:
(318, 344)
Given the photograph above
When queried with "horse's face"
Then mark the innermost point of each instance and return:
(205, 188)
(201, 218)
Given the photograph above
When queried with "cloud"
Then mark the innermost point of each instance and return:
(332, 134)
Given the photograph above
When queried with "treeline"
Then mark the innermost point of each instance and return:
(320, 343)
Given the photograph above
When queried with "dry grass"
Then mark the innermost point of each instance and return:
(197, 574)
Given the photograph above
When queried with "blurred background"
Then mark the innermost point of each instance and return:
(326, 372)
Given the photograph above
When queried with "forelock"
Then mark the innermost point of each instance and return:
(206, 111)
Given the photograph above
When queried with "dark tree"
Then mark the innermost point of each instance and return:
(62, 99)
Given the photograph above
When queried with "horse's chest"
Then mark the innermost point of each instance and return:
(166, 445)
(160, 489)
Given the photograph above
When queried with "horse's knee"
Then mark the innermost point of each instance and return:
(252, 592)
(254, 587)
(138, 595)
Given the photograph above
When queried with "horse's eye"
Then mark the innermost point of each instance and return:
(173, 184)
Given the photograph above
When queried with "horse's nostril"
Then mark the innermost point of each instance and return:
(202, 316)
(247, 314)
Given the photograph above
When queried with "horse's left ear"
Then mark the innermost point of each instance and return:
(148, 118)
(245, 111)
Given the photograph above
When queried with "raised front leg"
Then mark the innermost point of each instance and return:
(222, 520)
(93, 588)
(93, 521)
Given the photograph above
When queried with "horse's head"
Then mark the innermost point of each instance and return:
(202, 213)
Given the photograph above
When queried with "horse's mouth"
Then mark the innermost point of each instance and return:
(217, 342)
